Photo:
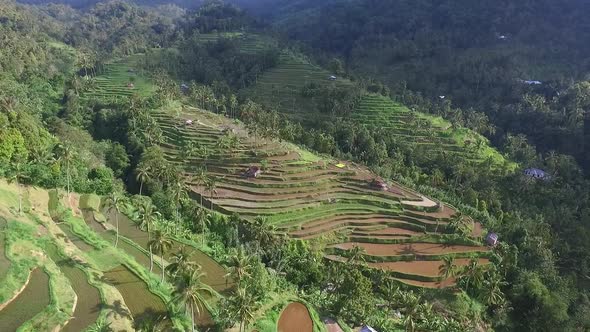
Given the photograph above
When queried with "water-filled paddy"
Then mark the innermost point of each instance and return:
(215, 273)
(89, 303)
(215, 276)
(141, 302)
(33, 299)
(76, 240)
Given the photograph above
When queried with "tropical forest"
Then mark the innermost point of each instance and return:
(294, 165)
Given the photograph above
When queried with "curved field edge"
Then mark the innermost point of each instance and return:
(106, 257)
(269, 319)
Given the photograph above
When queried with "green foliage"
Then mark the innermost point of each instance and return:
(90, 202)
(354, 296)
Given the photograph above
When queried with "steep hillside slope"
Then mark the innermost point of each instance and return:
(312, 197)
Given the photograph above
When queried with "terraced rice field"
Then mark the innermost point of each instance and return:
(280, 87)
(119, 79)
(247, 42)
(433, 135)
(215, 276)
(306, 196)
(309, 197)
(89, 303)
(31, 301)
(141, 302)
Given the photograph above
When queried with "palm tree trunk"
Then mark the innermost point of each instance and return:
(162, 264)
(151, 259)
(68, 181)
(192, 317)
(20, 197)
(117, 222)
(140, 187)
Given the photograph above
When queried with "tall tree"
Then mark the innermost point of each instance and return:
(447, 268)
(147, 217)
(211, 186)
(143, 173)
(244, 302)
(239, 265)
(115, 202)
(193, 293)
(180, 263)
(66, 155)
(17, 176)
(160, 243)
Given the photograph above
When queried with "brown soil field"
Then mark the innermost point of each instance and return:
(392, 231)
(409, 248)
(295, 318)
(425, 268)
(429, 284)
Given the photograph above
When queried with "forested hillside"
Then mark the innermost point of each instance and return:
(477, 54)
(324, 165)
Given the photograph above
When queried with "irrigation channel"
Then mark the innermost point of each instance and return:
(89, 303)
(295, 318)
(33, 299)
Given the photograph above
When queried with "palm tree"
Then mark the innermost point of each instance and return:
(101, 325)
(115, 202)
(356, 254)
(189, 150)
(459, 223)
(211, 187)
(264, 233)
(244, 304)
(239, 266)
(180, 263)
(143, 173)
(473, 274)
(66, 154)
(411, 305)
(391, 292)
(16, 177)
(147, 217)
(201, 217)
(447, 268)
(151, 323)
(201, 179)
(179, 193)
(193, 293)
(160, 243)
(492, 294)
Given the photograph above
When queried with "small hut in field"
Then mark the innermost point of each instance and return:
(130, 85)
(188, 122)
(367, 328)
(492, 239)
(379, 184)
(184, 88)
(537, 173)
(253, 172)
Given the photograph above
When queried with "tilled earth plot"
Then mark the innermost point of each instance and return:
(310, 197)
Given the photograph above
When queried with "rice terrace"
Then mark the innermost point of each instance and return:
(293, 166)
